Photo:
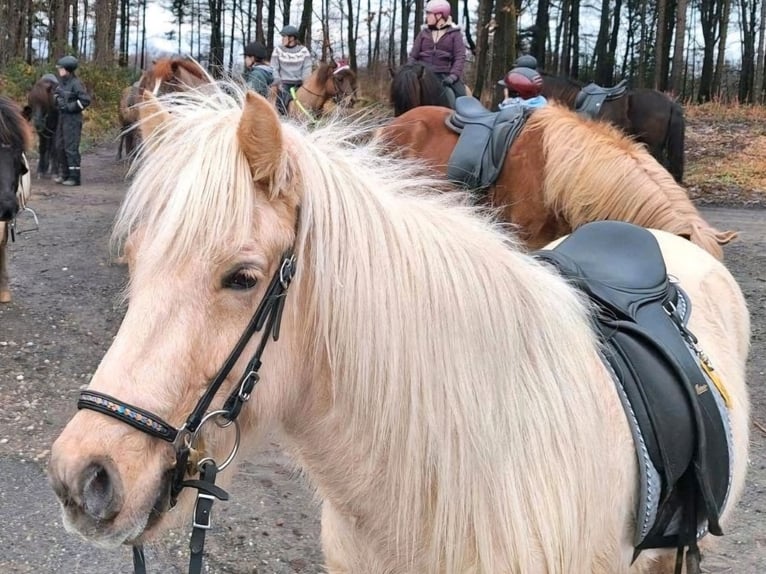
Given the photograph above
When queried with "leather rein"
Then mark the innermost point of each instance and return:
(189, 461)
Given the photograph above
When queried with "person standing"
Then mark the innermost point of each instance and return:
(71, 99)
(439, 46)
(291, 61)
(258, 73)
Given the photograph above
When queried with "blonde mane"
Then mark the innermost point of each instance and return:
(634, 186)
(435, 332)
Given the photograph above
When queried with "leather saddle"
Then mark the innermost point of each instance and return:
(678, 418)
(485, 138)
(590, 99)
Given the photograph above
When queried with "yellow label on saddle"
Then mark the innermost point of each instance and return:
(713, 376)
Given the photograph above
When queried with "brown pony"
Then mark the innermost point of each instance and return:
(42, 112)
(15, 138)
(651, 116)
(327, 83)
(563, 171)
(166, 75)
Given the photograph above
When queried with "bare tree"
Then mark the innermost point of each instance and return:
(758, 77)
(676, 75)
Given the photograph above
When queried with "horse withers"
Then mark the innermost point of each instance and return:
(15, 138)
(42, 112)
(444, 391)
(652, 117)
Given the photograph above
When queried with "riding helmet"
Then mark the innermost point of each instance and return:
(439, 7)
(256, 50)
(69, 63)
(290, 30)
(526, 61)
(524, 82)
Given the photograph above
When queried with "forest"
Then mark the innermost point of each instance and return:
(696, 50)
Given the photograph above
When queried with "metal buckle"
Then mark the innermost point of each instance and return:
(245, 396)
(287, 271)
(196, 524)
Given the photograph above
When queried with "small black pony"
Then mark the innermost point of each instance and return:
(14, 141)
(42, 112)
(652, 117)
(415, 85)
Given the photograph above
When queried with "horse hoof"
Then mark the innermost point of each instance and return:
(5, 296)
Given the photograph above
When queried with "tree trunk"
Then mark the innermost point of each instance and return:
(57, 31)
(758, 77)
(215, 61)
(659, 42)
(106, 18)
(676, 75)
(709, 21)
(482, 60)
(404, 37)
(614, 36)
(305, 27)
(540, 35)
(351, 35)
(604, 60)
(723, 26)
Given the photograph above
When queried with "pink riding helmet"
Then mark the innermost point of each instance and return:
(439, 7)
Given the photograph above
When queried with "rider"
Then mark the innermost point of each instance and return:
(291, 61)
(523, 86)
(258, 73)
(439, 46)
(71, 99)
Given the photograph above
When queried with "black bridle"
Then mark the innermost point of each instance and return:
(267, 317)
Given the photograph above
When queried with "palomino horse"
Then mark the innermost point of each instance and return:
(563, 171)
(166, 75)
(414, 85)
(15, 138)
(42, 112)
(443, 389)
(652, 117)
(328, 82)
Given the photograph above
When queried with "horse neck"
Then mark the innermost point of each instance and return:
(312, 94)
(397, 396)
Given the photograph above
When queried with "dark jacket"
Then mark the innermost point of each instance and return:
(259, 78)
(71, 97)
(446, 56)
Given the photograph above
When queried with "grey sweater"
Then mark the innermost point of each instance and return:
(292, 65)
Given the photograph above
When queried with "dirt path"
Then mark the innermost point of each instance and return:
(64, 315)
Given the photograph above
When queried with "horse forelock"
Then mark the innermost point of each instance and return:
(609, 176)
(189, 196)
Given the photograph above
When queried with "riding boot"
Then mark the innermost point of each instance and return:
(74, 176)
(58, 179)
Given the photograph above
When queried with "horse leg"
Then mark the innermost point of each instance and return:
(5, 291)
(44, 150)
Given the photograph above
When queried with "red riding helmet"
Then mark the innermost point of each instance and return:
(525, 82)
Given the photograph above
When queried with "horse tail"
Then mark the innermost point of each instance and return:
(674, 141)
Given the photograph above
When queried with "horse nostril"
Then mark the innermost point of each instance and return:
(100, 492)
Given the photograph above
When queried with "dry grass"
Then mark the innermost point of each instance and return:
(726, 151)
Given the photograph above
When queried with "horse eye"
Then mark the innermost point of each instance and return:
(240, 280)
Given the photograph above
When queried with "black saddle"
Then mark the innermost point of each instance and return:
(590, 99)
(647, 345)
(485, 138)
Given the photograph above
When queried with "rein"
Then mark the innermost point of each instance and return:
(267, 317)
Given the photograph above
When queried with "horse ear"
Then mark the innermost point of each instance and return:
(260, 137)
(152, 114)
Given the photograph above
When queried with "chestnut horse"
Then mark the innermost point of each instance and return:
(42, 112)
(563, 171)
(327, 82)
(651, 116)
(443, 390)
(166, 75)
(15, 138)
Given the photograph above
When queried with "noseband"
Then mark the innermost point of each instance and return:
(267, 317)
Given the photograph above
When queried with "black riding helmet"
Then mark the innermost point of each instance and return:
(526, 61)
(290, 30)
(69, 63)
(256, 50)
